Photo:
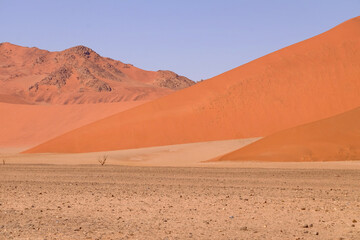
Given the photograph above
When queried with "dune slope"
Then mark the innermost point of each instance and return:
(332, 139)
(44, 94)
(305, 82)
(24, 126)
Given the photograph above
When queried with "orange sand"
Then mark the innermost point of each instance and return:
(24, 125)
(332, 139)
(33, 82)
(305, 82)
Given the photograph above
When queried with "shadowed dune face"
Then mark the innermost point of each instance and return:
(41, 91)
(23, 126)
(310, 80)
(333, 139)
(77, 75)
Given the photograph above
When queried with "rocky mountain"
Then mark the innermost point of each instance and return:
(77, 75)
(311, 80)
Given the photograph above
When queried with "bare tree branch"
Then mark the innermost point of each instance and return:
(102, 160)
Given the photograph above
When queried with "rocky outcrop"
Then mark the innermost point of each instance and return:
(171, 80)
(57, 78)
(82, 51)
(78, 75)
(89, 80)
(60, 77)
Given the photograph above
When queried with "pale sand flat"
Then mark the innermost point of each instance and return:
(191, 154)
(181, 155)
(305, 82)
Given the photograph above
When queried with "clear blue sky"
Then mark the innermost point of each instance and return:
(195, 38)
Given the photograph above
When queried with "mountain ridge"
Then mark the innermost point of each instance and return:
(78, 75)
(307, 81)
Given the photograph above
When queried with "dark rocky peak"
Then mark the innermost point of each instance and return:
(169, 79)
(57, 78)
(82, 51)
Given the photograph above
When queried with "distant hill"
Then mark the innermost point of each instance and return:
(77, 75)
(305, 82)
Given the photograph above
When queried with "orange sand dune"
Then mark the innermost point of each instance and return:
(77, 75)
(307, 81)
(332, 139)
(24, 125)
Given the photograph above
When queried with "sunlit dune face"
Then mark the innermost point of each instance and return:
(305, 82)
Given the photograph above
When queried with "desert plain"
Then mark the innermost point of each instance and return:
(150, 193)
(94, 148)
(132, 202)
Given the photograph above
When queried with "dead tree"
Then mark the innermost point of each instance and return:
(102, 160)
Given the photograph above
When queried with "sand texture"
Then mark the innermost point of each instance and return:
(23, 126)
(181, 155)
(305, 82)
(114, 202)
(333, 139)
(45, 94)
(94, 148)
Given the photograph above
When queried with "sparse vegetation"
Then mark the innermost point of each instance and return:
(102, 160)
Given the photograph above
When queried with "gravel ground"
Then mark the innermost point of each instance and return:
(116, 202)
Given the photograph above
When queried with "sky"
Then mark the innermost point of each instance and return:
(195, 38)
